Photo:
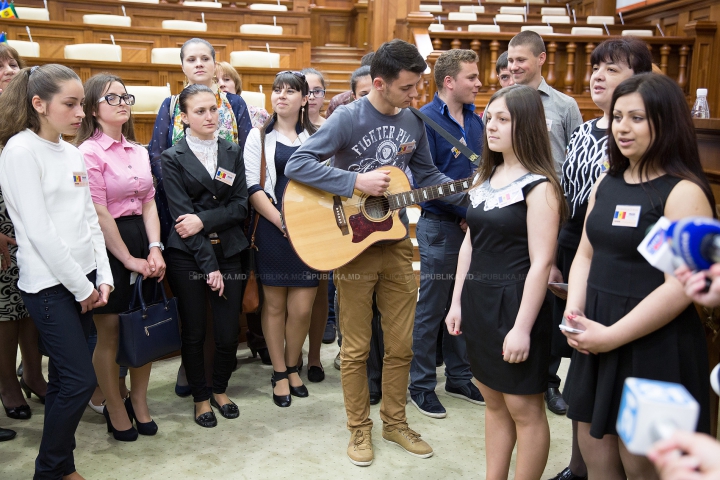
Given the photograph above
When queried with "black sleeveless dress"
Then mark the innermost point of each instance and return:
(619, 279)
(493, 290)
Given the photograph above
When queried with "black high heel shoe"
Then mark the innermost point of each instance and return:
(229, 410)
(264, 355)
(21, 412)
(29, 391)
(280, 400)
(300, 391)
(149, 428)
(129, 435)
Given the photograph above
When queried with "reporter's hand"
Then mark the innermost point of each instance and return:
(5, 259)
(103, 296)
(556, 277)
(87, 304)
(516, 346)
(215, 281)
(701, 459)
(138, 265)
(156, 262)
(373, 183)
(695, 285)
(188, 225)
(453, 320)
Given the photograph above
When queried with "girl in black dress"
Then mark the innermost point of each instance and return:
(501, 283)
(637, 321)
(289, 286)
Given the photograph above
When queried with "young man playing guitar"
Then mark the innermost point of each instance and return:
(364, 136)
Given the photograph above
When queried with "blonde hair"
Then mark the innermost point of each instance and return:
(229, 70)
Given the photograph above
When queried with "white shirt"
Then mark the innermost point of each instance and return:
(56, 227)
(206, 151)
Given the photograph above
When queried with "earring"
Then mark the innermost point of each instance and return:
(302, 115)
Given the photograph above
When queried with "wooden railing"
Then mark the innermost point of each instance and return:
(137, 42)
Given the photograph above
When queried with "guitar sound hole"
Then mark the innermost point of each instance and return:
(377, 207)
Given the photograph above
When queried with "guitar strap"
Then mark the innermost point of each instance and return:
(473, 157)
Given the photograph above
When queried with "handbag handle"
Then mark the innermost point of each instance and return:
(137, 294)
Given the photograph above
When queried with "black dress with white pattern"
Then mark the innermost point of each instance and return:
(11, 305)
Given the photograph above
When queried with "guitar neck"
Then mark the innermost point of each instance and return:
(413, 197)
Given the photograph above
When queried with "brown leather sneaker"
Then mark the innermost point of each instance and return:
(360, 450)
(409, 440)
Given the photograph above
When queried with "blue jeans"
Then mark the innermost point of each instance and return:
(439, 243)
(71, 377)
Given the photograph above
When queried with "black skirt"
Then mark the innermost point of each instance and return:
(132, 233)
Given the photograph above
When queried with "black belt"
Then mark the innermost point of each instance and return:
(443, 217)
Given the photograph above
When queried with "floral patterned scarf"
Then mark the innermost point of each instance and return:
(227, 124)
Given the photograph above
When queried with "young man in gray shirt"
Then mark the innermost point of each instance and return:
(374, 132)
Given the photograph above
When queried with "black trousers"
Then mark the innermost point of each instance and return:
(189, 285)
(71, 376)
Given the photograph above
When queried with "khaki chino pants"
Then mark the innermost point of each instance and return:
(387, 271)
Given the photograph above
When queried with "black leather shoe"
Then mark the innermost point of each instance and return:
(568, 475)
(329, 334)
(316, 374)
(21, 412)
(300, 391)
(6, 434)
(129, 435)
(375, 398)
(148, 428)
(280, 400)
(29, 391)
(206, 420)
(229, 410)
(555, 402)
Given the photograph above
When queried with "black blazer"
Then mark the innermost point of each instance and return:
(221, 207)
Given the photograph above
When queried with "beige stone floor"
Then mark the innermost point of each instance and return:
(306, 441)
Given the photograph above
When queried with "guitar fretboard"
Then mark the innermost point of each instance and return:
(412, 197)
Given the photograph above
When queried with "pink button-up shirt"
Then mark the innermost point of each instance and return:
(118, 174)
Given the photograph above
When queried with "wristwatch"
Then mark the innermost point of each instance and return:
(157, 244)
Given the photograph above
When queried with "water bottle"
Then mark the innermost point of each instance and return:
(701, 108)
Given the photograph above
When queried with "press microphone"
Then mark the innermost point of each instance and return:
(696, 240)
(715, 379)
(651, 410)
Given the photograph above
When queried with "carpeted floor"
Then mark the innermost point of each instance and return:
(306, 441)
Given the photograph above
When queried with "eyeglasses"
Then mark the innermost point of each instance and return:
(297, 74)
(114, 100)
(317, 93)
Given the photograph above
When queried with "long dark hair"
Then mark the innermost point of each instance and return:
(673, 148)
(95, 89)
(296, 81)
(530, 140)
(16, 100)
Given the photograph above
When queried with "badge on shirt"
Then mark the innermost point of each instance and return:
(604, 163)
(225, 176)
(408, 147)
(626, 216)
(80, 179)
(508, 198)
(455, 151)
(548, 123)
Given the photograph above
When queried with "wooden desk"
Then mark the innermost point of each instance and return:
(223, 19)
(137, 42)
(558, 28)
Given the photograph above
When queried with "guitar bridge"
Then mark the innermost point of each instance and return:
(340, 218)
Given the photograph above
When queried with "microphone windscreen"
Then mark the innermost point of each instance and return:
(715, 379)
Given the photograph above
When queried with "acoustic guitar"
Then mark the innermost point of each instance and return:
(327, 231)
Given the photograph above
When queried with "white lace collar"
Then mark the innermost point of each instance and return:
(489, 195)
(205, 150)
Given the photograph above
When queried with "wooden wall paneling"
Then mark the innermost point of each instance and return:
(362, 25)
(333, 26)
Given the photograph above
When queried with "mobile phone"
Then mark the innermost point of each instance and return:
(565, 326)
(562, 286)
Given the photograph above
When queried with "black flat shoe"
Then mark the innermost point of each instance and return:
(375, 398)
(206, 420)
(7, 434)
(568, 475)
(316, 374)
(21, 412)
(148, 428)
(229, 410)
(29, 391)
(280, 400)
(300, 391)
(129, 435)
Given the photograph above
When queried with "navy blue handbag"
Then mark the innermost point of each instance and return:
(148, 331)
